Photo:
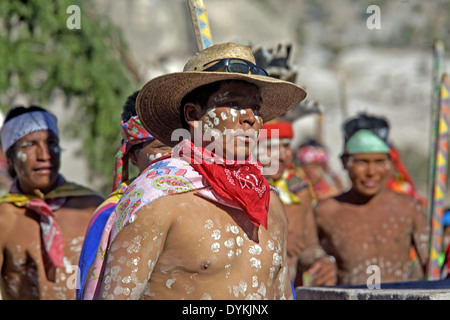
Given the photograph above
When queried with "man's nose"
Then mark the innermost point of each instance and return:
(247, 116)
(43, 152)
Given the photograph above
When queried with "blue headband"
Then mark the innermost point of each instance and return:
(18, 127)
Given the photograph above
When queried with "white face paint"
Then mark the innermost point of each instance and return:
(224, 116)
(234, 114)
(21, 156)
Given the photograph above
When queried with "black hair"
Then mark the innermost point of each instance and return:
(129, 111)
(377, 125)
(18, 110)
(129, 108)
(311, 142)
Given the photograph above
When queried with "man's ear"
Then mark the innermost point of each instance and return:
(192, 113)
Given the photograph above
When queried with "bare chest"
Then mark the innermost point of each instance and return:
(213, 250)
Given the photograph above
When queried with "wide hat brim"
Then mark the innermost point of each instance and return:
(158, 102)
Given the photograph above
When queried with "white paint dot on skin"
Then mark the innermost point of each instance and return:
(234, 114)
(212, 113)
(215, 134)
(169, 283)
(239, 241)
(189, 289)
(242, 286)
(255, 249)
(223, 115)
(132, 218)
(254, 281)
(209, 122)
(229, 243)
(215, 247)
(255, 263)
(216, 234)
(270, 245)
(206, 296)
(208, 224)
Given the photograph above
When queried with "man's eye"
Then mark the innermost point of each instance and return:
(53, 143)
(256, 110)
(25, 144)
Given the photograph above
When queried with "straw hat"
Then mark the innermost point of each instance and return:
(158, 103)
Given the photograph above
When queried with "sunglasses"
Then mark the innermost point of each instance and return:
(236, 66)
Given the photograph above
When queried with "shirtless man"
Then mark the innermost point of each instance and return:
(309, 264)
(371, 225)
(213, 229)
(43, 218)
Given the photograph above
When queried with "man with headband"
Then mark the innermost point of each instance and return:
(139, 147)
(308, 263)
(370, 228)
(43, 218)
(313, 159)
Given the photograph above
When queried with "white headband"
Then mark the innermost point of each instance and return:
(26, 123)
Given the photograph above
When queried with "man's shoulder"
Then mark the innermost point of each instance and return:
(402, 200)
(327, 206)
(9, 214)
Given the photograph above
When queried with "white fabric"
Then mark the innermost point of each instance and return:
(18, 127)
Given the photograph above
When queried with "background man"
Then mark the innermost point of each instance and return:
(308, 263)
(43, 218)
(371, 224)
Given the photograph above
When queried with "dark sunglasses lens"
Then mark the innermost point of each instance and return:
(238, 67)
(259, 71)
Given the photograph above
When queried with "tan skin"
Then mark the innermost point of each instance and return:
(303, 250)
(23, 276)
(150, 150)
(192, 248)
(372, 225)
(316, 172)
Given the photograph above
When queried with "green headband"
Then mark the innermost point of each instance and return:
(366, 141)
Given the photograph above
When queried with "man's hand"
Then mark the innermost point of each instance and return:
(322, 273)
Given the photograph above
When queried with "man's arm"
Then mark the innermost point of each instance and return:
(284, 282)
(421, 233)
(321, 267)
(134, 252)
(7, 220)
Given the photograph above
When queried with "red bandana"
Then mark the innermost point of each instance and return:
(241, 181)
